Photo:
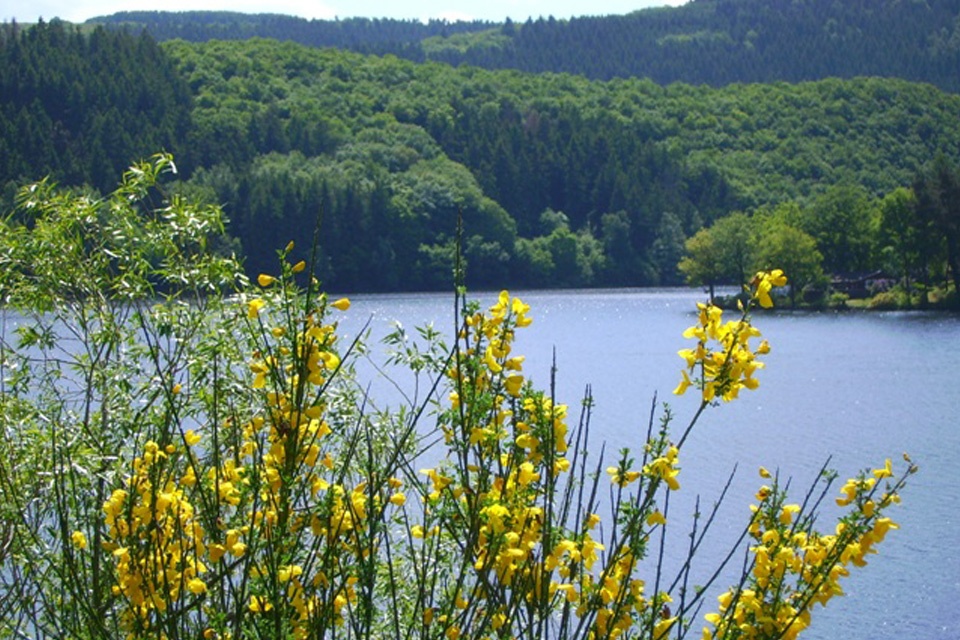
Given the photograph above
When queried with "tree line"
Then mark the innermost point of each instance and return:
(908, 240)
(719, 42)
(716, 42)
(365, 35)
(81, 106)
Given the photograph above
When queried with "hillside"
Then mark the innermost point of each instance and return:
(80, 107)
(715, 42)
(718, 42)
(364, 35)
(560, 180)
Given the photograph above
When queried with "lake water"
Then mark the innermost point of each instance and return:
(858, 386)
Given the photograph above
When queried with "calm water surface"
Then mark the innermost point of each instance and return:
(858, 386)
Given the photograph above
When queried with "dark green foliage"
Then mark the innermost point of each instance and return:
(841, 221)
(365, 35)
(81, 107)
(559, 180)
(634, 168)
(408, 148)
(715, 42)
(938, 205)
(719, 42)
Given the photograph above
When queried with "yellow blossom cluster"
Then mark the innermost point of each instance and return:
(665, 468)
(661, 467)
(623, 608)
(795, 567)
(724, 362)
(510, 447)
(272, 488)
(283, 482)
(764, 282)
(491, 336)
(155, 540)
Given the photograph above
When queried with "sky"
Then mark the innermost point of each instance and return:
(491, 10)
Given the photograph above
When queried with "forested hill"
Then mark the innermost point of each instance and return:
(80, 107)
(377, 35)
(560, 180)
(713, 42)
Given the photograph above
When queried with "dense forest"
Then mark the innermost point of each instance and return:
(81, 107)
(364, 35)
(559, 180)
(715, 42)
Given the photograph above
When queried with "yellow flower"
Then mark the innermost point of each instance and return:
(765, 281)
(764, 473)
(197, 586)
(490, 359)
(191, 437)
(265, 280)
(216, 552)
(656, 518)
(342, 304)
(520, 310)
(288, 573)
(398, 499)
(79, 539)
(300, 266)
(777, 278)
(885, 472)
(514, 383)
(881, 526)
(254, 307)
(527, 474)
(684, 384)
(789, 510)
(849, 491)
(499, 619)
(515, 363)
(439, 481)
(665, 468)
(622, 477)
(662, 628)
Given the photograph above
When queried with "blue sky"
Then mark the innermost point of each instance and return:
(493, 10)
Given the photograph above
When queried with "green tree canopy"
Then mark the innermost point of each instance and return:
(842, 222)
(938, 201)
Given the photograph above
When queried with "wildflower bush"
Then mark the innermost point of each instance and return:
(189, 455)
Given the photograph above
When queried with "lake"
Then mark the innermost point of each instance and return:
(855, 385)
